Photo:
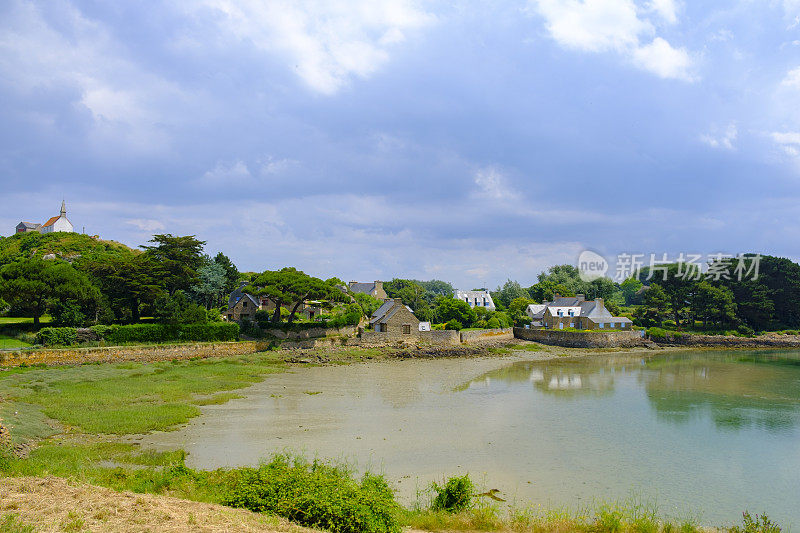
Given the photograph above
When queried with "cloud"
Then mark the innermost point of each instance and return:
(789, 142)
(491, 184)
(725, 140)
(660, 58)
(80, 58)
(666, 9)
(235, 173)
(146, 224)
(327, 42)
(616, 26)
(792, 79)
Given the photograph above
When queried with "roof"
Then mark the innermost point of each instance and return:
(236, 294)
(29, 225)
(364, 288)
(620, 319)
(249, 297)
(51, 221)
(387, 311)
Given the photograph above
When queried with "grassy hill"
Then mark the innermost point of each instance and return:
(69, 246)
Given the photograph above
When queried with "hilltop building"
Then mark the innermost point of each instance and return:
(55, 224)
(479, 298)
(575, 312)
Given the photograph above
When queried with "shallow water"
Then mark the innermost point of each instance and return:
(704, 434)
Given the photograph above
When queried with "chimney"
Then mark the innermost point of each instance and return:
(556, 296)
(580, 297)
(379, 285)
(600, 304)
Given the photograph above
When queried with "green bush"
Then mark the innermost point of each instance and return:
(761, 524)
(316, 494)
(57, 336)
(493, 323)
(454, 496)
(212, 331)
(453, 324)
(656, 333)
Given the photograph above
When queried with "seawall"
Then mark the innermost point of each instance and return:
(582, 339)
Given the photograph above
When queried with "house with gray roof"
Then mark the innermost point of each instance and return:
(374, 289)
(478, 298)
(395, 318)
(575, 312)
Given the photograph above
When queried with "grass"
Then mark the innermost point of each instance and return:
(218, 399)
(7, 342)
(126, 398)
(516, 347)
(11, 523)
(12, 320)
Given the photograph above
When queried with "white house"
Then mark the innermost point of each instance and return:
(479, 298)
(59, 223)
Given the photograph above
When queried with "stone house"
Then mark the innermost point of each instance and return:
(575, 312)
(479, 298)
(244, 309)
(374, 289)
(395, 319)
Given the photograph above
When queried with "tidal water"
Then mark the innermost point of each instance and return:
(703, 435)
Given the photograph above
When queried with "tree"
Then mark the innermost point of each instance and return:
(655, 306)
(178, 309)
(177, 260)
(127, 282)
(409, 291)
(715, 304)
(448, 309)
(231, 272)
(33, 284)
(212, 283)
(510, 290)
(290, 287)
(369, 304)
(630, 291)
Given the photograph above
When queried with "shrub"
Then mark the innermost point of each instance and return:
(57, 336)
(67, 313)
(316, 494)
(656, 333)
(212, 331)
(761, 524)
(493, 323)
(745, 330)
(453, 324)
(454, 496)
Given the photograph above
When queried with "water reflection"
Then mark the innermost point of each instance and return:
(736, 390)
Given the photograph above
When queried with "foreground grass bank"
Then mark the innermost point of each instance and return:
(319, 494)
(79, 414)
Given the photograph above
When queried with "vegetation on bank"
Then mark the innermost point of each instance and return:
(91, 405)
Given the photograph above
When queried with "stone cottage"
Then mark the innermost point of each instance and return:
(395, 319)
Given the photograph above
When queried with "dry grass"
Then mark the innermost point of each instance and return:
(54, 504)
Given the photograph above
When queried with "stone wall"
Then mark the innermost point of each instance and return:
(311, 333)
(581, 339)
(110, 354)
(725, 341)
(487, 335)
(441, 336)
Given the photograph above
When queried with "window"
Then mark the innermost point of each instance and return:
(560, 325)
(560, 312)
(406, 329)
(572, 324)
(612, 324)
(600, 325)
(571, 312)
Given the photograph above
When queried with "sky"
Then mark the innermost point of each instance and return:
(372, 139)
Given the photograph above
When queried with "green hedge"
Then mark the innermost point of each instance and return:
(57, 336)
(213, 331)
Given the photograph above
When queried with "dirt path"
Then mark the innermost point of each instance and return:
(54, 504)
